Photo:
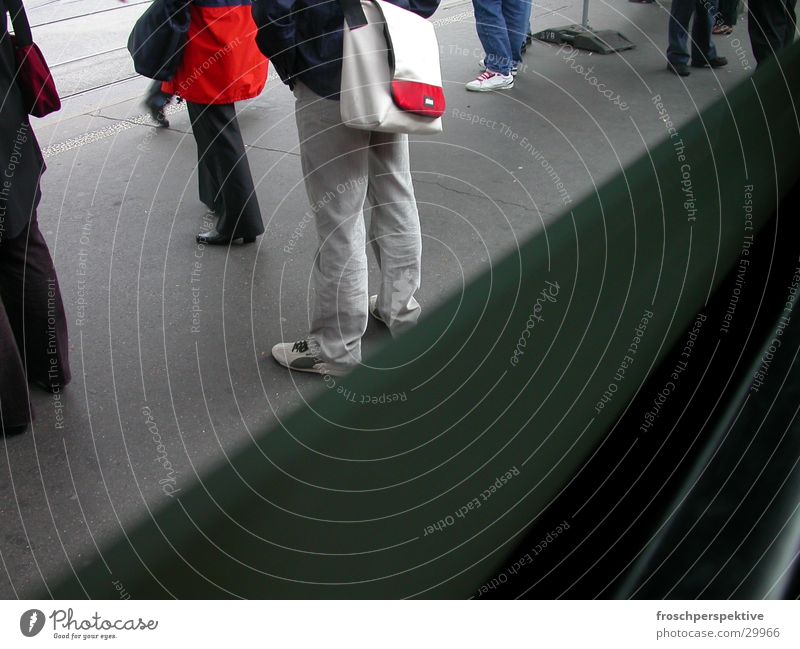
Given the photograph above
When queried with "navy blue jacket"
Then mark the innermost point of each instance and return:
(303, 39)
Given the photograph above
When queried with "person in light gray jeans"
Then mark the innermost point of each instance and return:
(343, 167)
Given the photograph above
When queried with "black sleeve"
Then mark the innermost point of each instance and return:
(22, 29)
(275, 20)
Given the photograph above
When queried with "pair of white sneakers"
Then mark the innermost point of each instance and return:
(487, 81)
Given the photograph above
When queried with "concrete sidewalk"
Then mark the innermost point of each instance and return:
(170, 340)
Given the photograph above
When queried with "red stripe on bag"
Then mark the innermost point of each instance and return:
(418, 98)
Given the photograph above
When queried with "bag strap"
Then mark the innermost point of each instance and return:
(22, 28)
(353, 13)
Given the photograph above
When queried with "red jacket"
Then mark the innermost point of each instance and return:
(221, 62)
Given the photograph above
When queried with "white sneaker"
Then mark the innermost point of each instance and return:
(304, 356)
(487, 81)
(373, 309)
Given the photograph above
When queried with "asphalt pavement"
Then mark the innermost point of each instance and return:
(169, 341)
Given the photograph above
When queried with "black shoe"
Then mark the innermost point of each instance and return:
(10, 431)
(214, 238)
(157, 113)
(681, 69)
(527, 42)
(716, 62)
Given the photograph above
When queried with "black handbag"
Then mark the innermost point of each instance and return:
(157, 40)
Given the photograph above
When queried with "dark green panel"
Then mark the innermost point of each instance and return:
(508, 376)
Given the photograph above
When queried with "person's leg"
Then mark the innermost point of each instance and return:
(769, 24)
(240, 215)
(791, 22)
(493, 34)
(34, 308)
(14, 405)
(335, 166)
(703, 48)
(680, 14)
(733, 12)
(723, 14)
(156, 101)
(528, 10)
(734, 7)
(207, 168)
(155, 96)
(528, 26)
(517, 17)
(394, 230)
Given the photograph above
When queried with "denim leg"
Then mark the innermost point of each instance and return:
(703, 48)
(517, 17)
(678, 32)
(528, 10)
(493, 34)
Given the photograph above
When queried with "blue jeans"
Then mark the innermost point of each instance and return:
(501, 26)
(702, 46)
(527, 19)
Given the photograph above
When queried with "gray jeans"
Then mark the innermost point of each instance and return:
(342, 168)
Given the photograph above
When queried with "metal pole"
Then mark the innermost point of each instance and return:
(585, 20)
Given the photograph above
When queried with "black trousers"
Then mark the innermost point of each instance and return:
(771, 26)
(226, 184)
(33, 325)
(728, 12)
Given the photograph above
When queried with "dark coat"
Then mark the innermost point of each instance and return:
(21, 163)
(303, 39)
